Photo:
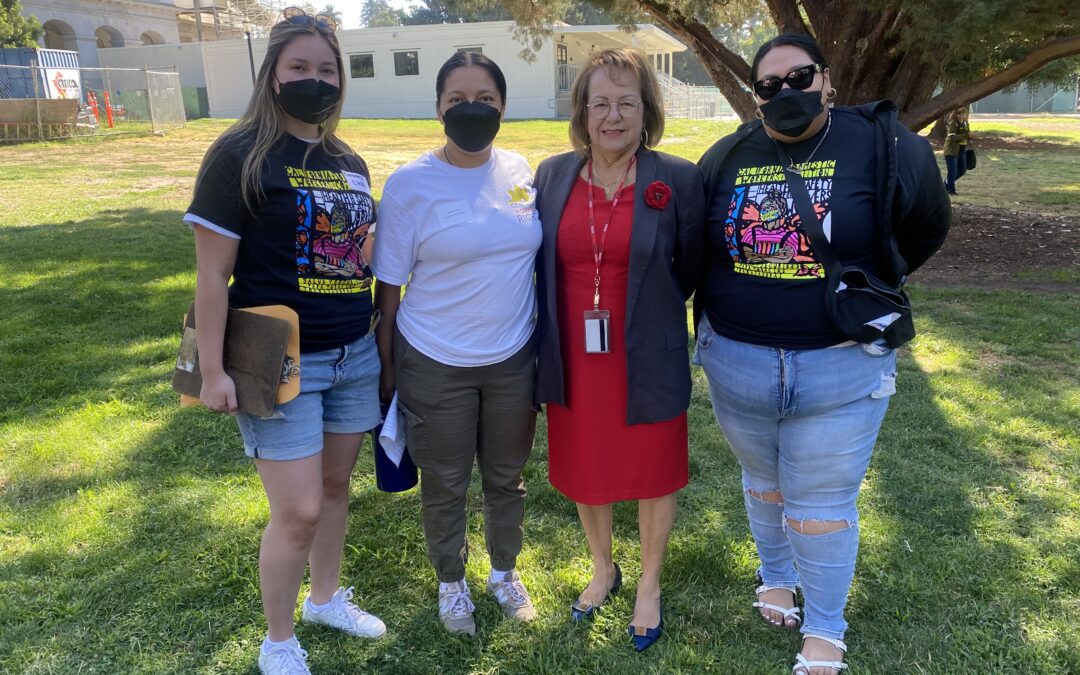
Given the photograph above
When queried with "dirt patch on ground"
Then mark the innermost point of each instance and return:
(998, 248)
(1021, 143)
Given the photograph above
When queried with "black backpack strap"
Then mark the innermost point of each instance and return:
(811, 224)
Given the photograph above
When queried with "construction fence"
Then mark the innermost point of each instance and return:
(43, 103)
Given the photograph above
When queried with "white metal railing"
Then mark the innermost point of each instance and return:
(681, 100)
(692, 101)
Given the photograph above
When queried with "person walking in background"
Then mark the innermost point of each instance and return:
(957, 139)
(283, 206)
(799, 403)
(623, 248)
(459, 226)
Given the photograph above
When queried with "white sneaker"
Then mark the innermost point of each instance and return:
(285, 659)
(456, 608)
(512, 596)
(344, 615)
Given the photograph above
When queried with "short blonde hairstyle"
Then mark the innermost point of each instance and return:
(617, 62)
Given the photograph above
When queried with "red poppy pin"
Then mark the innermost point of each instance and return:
(658, 194)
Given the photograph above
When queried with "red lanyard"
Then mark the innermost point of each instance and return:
(598, 251)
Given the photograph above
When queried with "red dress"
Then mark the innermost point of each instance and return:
(593, 456)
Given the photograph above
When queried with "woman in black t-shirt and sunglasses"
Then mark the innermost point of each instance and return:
(799, 403)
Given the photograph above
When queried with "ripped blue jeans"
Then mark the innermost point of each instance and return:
(802, 423)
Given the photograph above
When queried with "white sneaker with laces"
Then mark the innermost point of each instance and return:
(283, 659)
(456, 608)
(512, 596)
(342, 614)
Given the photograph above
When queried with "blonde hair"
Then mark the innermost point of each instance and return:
(616, 63)
(263, 122)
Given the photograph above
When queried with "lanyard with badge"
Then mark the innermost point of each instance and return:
(597, 321)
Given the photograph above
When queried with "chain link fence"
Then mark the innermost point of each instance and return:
(42, 103)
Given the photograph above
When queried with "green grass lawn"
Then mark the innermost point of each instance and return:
(129, 528)
(1026, 164)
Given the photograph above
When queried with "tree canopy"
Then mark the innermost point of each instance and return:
(17, 30)
(904, 50)
(379, 13)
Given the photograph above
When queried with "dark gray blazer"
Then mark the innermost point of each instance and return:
(667, 257)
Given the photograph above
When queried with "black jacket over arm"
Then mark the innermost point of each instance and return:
(667, 256)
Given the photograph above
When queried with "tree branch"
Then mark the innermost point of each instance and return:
(818, 14)
(1051, 49)
(692, 30)
(729, 71)
(786, 16)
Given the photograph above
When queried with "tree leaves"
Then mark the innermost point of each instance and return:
(15, 29)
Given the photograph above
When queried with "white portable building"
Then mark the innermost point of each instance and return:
(390, 72)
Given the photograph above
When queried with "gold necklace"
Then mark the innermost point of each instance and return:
(609, 186)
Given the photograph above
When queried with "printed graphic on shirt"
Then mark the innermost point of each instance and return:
(332, 224)
(763, 230)
(522, 200)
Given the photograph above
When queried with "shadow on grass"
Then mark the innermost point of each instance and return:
(962, 555)
(145, 560)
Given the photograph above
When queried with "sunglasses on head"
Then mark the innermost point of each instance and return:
(299, 17)
(800, 78)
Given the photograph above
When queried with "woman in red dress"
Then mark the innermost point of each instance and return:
(623, 247)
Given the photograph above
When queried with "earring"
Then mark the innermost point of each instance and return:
(645, 133)
(831, 94)
(758, 114)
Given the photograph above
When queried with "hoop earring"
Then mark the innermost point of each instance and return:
(831, 94)
(758, 114)
(645, 133)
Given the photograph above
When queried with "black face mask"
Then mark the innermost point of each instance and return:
(472, 126)
(791, 111)
(309, 101)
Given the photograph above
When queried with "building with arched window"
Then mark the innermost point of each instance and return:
(84, 26)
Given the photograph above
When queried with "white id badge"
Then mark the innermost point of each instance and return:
(596, 331)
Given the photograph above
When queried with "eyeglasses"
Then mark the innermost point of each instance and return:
(299, 17)
(800, 78)
(602, 109)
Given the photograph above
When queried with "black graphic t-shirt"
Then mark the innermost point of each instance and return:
(304, 245)
(764, 284)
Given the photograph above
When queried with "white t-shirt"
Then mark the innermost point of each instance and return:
(465, 241)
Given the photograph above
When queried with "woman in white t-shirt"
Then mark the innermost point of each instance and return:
(459, 225)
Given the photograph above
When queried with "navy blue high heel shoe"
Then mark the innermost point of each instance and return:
(645, 637)
(579, 611)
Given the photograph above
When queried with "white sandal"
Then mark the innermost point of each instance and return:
(786, 612)
(803, 665)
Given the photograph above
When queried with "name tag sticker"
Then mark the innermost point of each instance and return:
(453, 213)
(357, 182)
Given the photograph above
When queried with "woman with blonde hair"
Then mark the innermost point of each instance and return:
(623, 247)
(284, 207)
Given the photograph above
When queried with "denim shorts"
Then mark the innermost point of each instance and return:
(339, 394)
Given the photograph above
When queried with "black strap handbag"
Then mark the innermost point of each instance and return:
(862, 306)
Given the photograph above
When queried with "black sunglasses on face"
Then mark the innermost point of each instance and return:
(800, 78)
(299, 17)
